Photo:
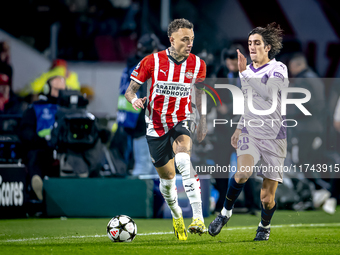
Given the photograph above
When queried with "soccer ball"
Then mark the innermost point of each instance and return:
(121, 229)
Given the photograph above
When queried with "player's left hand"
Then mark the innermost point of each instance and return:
(242, 61)
(234, 138)
(202, 129)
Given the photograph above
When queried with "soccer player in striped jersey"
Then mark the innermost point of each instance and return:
(265, 144)
(170, 117)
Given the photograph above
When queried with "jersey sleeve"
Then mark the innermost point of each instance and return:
(279, 76)
(277, 79)
(143, 70)
(202, 72)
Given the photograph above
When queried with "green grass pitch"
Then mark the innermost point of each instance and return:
(311, 232)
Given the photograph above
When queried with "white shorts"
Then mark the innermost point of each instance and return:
(268, 154)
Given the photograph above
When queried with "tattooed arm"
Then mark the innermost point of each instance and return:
(202, 129)
(131, 96)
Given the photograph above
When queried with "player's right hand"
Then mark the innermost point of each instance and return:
(242, 61)
(139, 103)
(234, 138)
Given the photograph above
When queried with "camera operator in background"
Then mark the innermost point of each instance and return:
(132, 121)
(78, 138)
(58, 68)
(35, 132)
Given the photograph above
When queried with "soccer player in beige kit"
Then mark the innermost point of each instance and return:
(263, 142)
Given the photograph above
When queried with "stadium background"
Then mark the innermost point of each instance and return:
(97, 37)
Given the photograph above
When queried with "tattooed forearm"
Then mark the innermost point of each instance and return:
(203, 122)
(175, 55)
(132, 90)
(199, 93)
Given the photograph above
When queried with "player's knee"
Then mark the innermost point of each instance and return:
(182, 149)
(167, 175)
(182, 144)
(242, 177)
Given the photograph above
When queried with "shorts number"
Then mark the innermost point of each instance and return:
(245, 140)
(185, 125)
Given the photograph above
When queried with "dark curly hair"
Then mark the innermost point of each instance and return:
(271, 35)
(177, 24)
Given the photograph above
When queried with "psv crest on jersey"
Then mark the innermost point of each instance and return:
(189, 75)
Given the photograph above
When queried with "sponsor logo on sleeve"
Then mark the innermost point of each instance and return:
(279, 75)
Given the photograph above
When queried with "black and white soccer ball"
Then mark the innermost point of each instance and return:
(121, 229)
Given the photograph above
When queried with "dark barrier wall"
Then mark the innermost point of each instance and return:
(12, 191)
(98, 197)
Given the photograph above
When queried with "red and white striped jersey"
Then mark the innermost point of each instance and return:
(169, 89)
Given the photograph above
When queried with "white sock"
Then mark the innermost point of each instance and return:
(260, 225)
(197, 211)
(169, 192)
(191, 183)
(226, 212)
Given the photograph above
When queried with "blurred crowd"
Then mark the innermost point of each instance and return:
(101, 30)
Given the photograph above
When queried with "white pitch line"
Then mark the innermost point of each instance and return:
(49, 238)
(168, 233)
(155, 233)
